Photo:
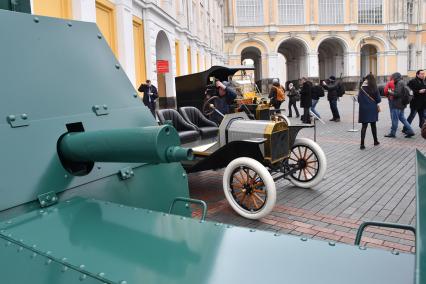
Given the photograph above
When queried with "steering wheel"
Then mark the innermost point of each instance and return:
(207, 106)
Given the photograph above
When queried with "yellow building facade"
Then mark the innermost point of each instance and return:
(187, 34)
(290, 39)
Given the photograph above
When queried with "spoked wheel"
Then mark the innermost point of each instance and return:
(309, 159)
(282, 117)
(207, 108)
(249, 188)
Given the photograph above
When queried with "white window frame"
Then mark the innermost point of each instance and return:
(372, 16)
(249, 12)
(289, 12)
(331, 12)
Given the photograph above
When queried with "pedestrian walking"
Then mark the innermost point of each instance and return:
(150, 95)
(418, 103)
(332, 96)
(317, 93)
(397, 105)
(306, 99)
(277, 94)
(368, 100)
(294, 96)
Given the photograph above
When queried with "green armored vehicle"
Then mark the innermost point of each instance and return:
(92, 189)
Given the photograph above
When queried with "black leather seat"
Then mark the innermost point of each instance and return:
(187, 132)
(206, 127)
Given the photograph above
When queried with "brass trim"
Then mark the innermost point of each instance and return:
(272, 127)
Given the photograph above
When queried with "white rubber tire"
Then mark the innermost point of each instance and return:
(322, 163)
(269, 187)
(285, 118)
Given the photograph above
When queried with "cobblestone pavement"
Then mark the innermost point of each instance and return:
(375, 184)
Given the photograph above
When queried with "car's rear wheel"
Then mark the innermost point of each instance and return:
(249, 188)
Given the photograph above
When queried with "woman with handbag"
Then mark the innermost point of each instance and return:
(369, 99)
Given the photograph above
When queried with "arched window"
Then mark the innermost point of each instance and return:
(249, 12)
(370, 11)
(291, 12)
(331, 12)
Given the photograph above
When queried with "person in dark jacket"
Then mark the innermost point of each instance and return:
(306, 99)
(150, 95)
(293, 95)
(418, 104)
(332, 86)
(317, 92)
(368, 99)
(226, 97)
(397, 107)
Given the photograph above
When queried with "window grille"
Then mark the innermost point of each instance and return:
(370, 11)
(291, 12)
(249, 12)
(331, 11)
(411, 57)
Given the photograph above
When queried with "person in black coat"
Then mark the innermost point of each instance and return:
(331, 86)
(368, 99)
(150, 95)
(293, 95)
(418, 104)
(306, 99)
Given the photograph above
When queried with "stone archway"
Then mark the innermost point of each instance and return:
(254, 54)
(331, 58)
(165, 81)
(368, 60)
(295, 54)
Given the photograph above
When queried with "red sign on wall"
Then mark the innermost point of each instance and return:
(162, 66)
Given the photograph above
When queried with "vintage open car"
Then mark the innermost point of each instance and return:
(254, 153)
(190, 91)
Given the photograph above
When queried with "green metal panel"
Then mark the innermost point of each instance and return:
(421, 217)
(57, 72)
(140, 246)
(23, 6)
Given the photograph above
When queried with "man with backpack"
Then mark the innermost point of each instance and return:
(399, 98)
(277, 94)
(335, 90)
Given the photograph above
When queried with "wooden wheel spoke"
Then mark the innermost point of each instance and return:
(309, 172)
(311, 162)
(304, 173)
(259, 191)
(258, 184)
(237, 186)
(242, 176)
(300, 152)
(308, 166)
(309, 156)
(244, 198)
(239, 180)
(304, 154)
(254, 201)
(300, 173)
(293, 159)
(258, 197)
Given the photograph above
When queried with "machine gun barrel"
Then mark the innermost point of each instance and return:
(152, 144)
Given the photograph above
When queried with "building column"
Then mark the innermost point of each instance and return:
(84, 10)
(126, 53)
(272, 59)
(351, 64)
(313, 65)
